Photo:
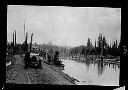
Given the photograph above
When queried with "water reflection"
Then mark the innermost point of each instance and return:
(109, 64)
(87, 64)
(100, 68)
(92, 73)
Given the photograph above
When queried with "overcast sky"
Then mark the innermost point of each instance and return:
(63, 25)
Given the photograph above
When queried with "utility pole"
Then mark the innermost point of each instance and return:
(31, 42)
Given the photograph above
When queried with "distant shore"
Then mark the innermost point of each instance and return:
(108, 60)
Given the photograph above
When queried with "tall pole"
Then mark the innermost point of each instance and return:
(31, 42)
(26, 46)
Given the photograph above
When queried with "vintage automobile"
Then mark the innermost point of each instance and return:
(35, 62)
(32, 61)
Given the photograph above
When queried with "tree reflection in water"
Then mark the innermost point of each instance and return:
(109, 64)
(94, 64)
(87, 64)
(100, 68)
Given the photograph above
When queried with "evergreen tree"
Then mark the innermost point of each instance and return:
(88, 42)
(95, 49)
(114, 49)
(89, 46)
(116, 44)
(104, 45)
(99, 44)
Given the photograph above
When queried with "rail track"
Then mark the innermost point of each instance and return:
(52, 76)
(64, 75)
(53, 67)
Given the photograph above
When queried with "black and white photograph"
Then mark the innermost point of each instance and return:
(63, 45)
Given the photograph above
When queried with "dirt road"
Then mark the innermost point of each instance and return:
(15, 73)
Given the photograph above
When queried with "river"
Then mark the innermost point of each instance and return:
(92, 73)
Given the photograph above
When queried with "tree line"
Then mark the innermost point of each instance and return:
(101, 47)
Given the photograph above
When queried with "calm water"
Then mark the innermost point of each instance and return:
(93, 73)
